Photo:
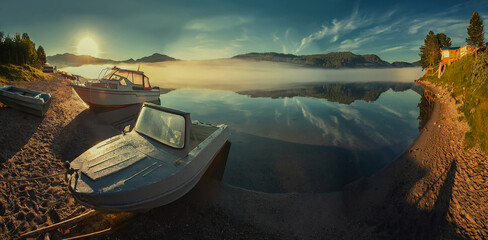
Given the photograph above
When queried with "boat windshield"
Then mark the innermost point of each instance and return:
(165, 127)
(108, 75)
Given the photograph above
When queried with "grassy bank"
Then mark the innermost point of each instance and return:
(12, 72)
(467, 80)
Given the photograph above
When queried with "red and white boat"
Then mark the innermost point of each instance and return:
(117, 88)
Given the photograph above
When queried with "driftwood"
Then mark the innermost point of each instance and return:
(64, 223)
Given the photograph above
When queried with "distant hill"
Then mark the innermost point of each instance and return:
(69, 59)
(330, 60)
(155, 58)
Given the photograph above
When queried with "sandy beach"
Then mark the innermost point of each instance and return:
(436, 189)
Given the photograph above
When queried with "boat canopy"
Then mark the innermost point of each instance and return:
(135, 77)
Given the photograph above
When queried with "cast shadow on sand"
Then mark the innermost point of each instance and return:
(20, 128)
(82, 133)
(391, 215)
(414, 223)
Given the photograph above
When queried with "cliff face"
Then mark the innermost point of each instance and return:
(330, 60)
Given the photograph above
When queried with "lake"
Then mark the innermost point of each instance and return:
(307, 135)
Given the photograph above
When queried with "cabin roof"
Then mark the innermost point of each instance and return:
(450, 48)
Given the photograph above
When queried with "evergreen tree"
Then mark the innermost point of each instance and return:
(41, 56)
(475, 31)
(430, 53)
(444, 40)
(19, 50)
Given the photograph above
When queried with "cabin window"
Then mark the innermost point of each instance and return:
(124, 74)
(100, 85)
(123, 82)
(167, 128)
(137, 79)
(116, 77)
(146, 82)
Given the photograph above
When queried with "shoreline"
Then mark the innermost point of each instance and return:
(433, 190)
(430, 191)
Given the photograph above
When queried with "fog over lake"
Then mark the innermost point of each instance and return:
(239, 75)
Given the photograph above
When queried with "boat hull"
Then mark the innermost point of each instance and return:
(32, 105)
(105, 99)
(159, 193)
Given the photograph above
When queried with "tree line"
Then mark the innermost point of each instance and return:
(20, 50)
(430, 54)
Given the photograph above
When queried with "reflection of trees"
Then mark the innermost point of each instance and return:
(426, 106)
(345, 93)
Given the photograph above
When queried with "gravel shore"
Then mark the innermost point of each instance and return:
(436, 189)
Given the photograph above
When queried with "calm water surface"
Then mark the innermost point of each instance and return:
(305, 144)
(311, 135)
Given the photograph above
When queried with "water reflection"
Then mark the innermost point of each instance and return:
(345, 93)
(426, 106)
(295, 140)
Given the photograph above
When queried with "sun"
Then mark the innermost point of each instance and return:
(87, 46)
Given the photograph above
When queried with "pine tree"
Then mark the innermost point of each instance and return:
(475, 31)
(444, 40)
(41, 56)
(430, 54)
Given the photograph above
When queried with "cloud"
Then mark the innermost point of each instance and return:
(244, 37)
(217, 23)
(337, 27)
(312, 37)
(355, 43)
(275, 38)
(334, 39)
(391, 49)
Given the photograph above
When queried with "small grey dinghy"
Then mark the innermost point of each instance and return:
(159, 161)
(30, 101)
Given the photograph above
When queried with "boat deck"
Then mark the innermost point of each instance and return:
(199, 132)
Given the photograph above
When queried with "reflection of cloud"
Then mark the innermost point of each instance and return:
(413, 113)
(334, 119)
(300, 120)
(348, 113)
(391, 110)
(331, 133)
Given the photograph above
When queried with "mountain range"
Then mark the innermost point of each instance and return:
(72, 60)
(330, 60)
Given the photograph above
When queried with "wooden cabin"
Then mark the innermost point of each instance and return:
(451, 54)
(466, 50)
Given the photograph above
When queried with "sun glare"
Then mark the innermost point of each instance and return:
(87, 46)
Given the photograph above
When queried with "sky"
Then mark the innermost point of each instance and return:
(211, 29)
